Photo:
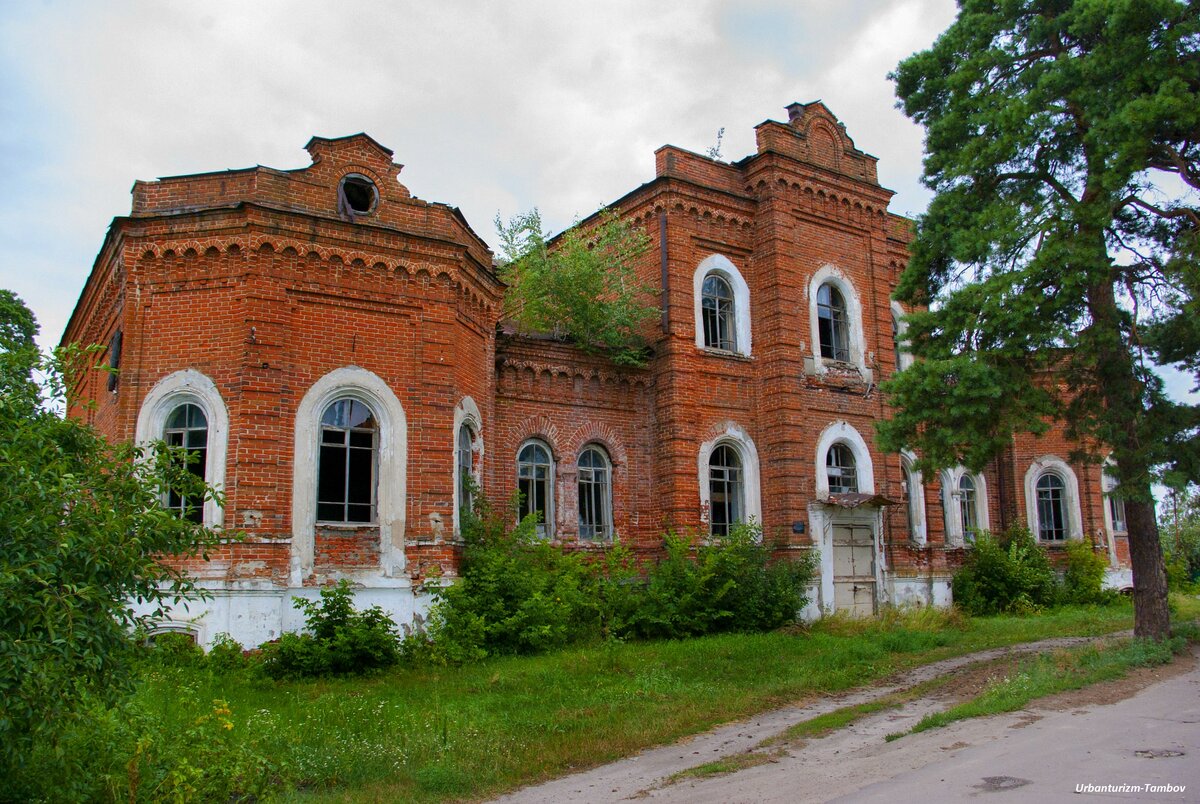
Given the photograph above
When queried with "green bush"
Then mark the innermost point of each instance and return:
(1083, 577)
(728, 584)
(518, 594)
(1006, 573)
(340, 639)
(129, 752)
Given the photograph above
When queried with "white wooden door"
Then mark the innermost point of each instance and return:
(854, 570)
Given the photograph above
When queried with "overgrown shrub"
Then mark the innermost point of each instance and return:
(1005, 573)
(1083, 576)
(340, 639)
(518, 594)
(728, 584)
(126, 752)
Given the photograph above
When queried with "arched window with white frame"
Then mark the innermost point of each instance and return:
(1052, 500)
(964, 504)
(914, 499)
(1114, 504)
(595, 493)
(903, 356)
(843, 462)
(349, 467)
(836, 321)
(468, 456)
(722, 306)
(186, 410)
(535, 483)
(728, 474)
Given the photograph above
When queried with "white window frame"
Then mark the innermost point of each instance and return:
(904, 358)
(956, 534)
(1108, 483)
(723, 267)
(832, 275)
(466, 412)
(731, 434)
(841, 431)
(350, 382)
(914, 501)
(190, 387)
(1074, 518)
(546, 528)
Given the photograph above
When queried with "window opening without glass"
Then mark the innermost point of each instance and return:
(1051, 508)
(187, 429)
(841, 470)
(718, 314)
(967, 507)
(833, 324)
(465, 475)
(534, 483)
(726, 490)
(595, 495)
(1116, 505)
(347, 463)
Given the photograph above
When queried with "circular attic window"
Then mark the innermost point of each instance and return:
(357, 194)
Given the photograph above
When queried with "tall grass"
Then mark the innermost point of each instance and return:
(427, 735)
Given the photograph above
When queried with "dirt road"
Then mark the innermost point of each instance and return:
(1040, 754)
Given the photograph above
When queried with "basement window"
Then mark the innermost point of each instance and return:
(357, 195)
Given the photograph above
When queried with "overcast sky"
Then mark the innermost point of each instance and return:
(494, 107)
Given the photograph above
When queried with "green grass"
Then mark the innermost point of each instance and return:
(436, 734)
(1059, 671)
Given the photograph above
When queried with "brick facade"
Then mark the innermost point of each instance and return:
(261, 295)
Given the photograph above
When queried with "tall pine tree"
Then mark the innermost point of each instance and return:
(1057, 262)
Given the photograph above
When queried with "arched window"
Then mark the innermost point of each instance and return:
(535, 482)
(833, 324)
(595, 494)
(187, 428)
(968, 507)
(465, 464)
(346, 466)
(164, 416)
(1051, 508)
(1116, 505)
(726, 489)
(914, 499)
(717, 307)
(841, 470)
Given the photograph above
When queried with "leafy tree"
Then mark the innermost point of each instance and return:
(581, 285)
(1180, 522)
(81, 533)
(1057, 261)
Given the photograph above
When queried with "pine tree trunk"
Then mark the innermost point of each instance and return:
(1151, 618)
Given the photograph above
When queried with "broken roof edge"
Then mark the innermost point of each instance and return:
(314, 140)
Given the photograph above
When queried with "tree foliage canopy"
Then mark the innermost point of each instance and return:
(82, 530)
(1058, 258)
(581, 285)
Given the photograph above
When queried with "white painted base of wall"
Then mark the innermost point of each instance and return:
(255, 616)
(1118, 578)
(929, 591)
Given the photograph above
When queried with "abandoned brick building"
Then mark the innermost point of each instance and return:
(333, 350)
